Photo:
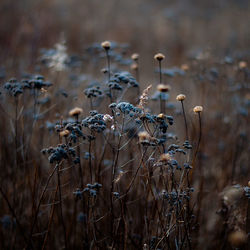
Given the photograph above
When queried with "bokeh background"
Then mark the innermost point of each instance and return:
(175, 27)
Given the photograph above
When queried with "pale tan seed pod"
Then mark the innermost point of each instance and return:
(134, 66)
(238, 238)
(198, 109)
(159, 57)
(185, 67)
(144, 136)
(75, 111)
(166, 157)
(163, 87)
(242, 65)
(135, 57)
(248, 183)
(106, 45)
(161, 116)
(180, 97)
(64, 133)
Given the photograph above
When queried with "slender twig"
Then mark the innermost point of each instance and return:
(39, 204)
(61, 208)
(185, 120)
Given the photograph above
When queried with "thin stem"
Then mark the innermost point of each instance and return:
(185, 120)
(90, 161)
(60, 204)
(39, 204)
(199, 140)
(160, 72)
(108, 61)
(16, 135)
(50, 220)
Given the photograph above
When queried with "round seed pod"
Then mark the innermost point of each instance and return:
(135, 56)
(106, 45)
(198, 109)
(159, 57)
(163, 88)
(180, 97)
(75, 111)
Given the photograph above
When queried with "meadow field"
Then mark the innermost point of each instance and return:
(124, 124)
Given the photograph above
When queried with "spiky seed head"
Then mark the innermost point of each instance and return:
(237, 238)
(134, 66)
(198, 109)
(106, 45)
(166, 157)
(242, 65)
(75, 111)
(159, 57)
(135, 56)
(143, 136)
(163, 87)
(180, 97)
(64, 133)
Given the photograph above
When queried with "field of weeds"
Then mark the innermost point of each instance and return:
(124, 124)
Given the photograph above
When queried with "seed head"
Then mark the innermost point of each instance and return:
(242, 65)
(134, 66)
(75, 111)
(135, 57)
(161, 116)
(185, 67)
(159, 57)
(106, 45)
(144, 136)
(64, 133)
(248, 183)
(144, 97)
(165, 157)
(163, 88)
(237, 238)
(198, 109)
(180, 97)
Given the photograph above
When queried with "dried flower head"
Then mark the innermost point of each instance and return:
(106, 45)
(64, 133)
(144, 136)
(134, 66)
(238, 238)
(159, 57)
(185, 67)
(242, 64)
(248, 183)
(161, 116)
(198, 109)
(59, 58)
(75, 111)
(166, 157)
(180, 97)
(163, 88)
(135, 56)
(144, 97)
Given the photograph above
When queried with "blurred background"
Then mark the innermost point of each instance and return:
(178, 28)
